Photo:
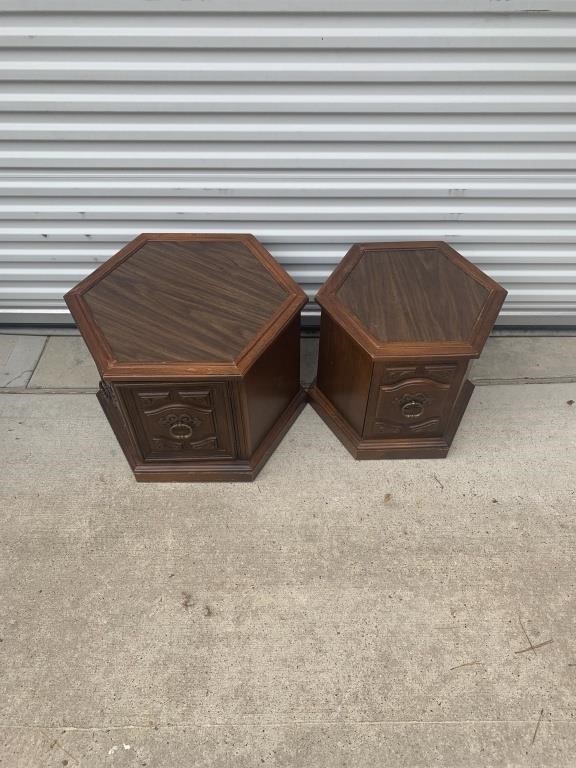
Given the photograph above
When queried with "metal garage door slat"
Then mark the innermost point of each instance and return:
(334, 122)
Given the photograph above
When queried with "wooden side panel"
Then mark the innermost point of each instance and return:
(412, 399)
(271, 384)
(344, 372)
(181, 422)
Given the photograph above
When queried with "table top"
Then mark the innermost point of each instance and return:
(169, 299)
(410, 294)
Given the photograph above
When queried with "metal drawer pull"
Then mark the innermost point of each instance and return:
(412, 406)
(412, 409)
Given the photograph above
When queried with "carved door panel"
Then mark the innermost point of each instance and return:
(181, 422)
(411, 400)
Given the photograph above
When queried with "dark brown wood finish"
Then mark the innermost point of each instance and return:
(344, 372)
(196, 338)
(418, 312)
(270, 383)
(418, 295)
(479, 320)
(208, 299)
(182, 422)
(116, 369)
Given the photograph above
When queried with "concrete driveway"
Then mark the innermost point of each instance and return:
(332, 614)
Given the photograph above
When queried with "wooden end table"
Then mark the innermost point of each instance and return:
(197, 340)
(400, 324)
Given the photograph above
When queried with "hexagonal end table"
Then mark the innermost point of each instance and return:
(400, 323)
(197, 340)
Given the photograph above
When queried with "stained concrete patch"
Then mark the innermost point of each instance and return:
(18, 357)
(333, 613)
(67, 364)
(528, 358)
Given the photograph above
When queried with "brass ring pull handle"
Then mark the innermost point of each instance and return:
(181, 431)
(180, 425)
(412, 409)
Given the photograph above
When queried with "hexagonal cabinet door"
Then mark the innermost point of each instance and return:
(400, 323)
(197, 340)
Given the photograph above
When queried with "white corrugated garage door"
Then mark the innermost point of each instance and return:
(311, 124)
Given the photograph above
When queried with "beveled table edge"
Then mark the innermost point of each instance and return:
(114, 370)
(399, 350)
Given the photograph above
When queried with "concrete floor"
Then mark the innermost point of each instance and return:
(332, 614)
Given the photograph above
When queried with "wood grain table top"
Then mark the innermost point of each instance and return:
(405, 298)
(412, 295)
(182, 299)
